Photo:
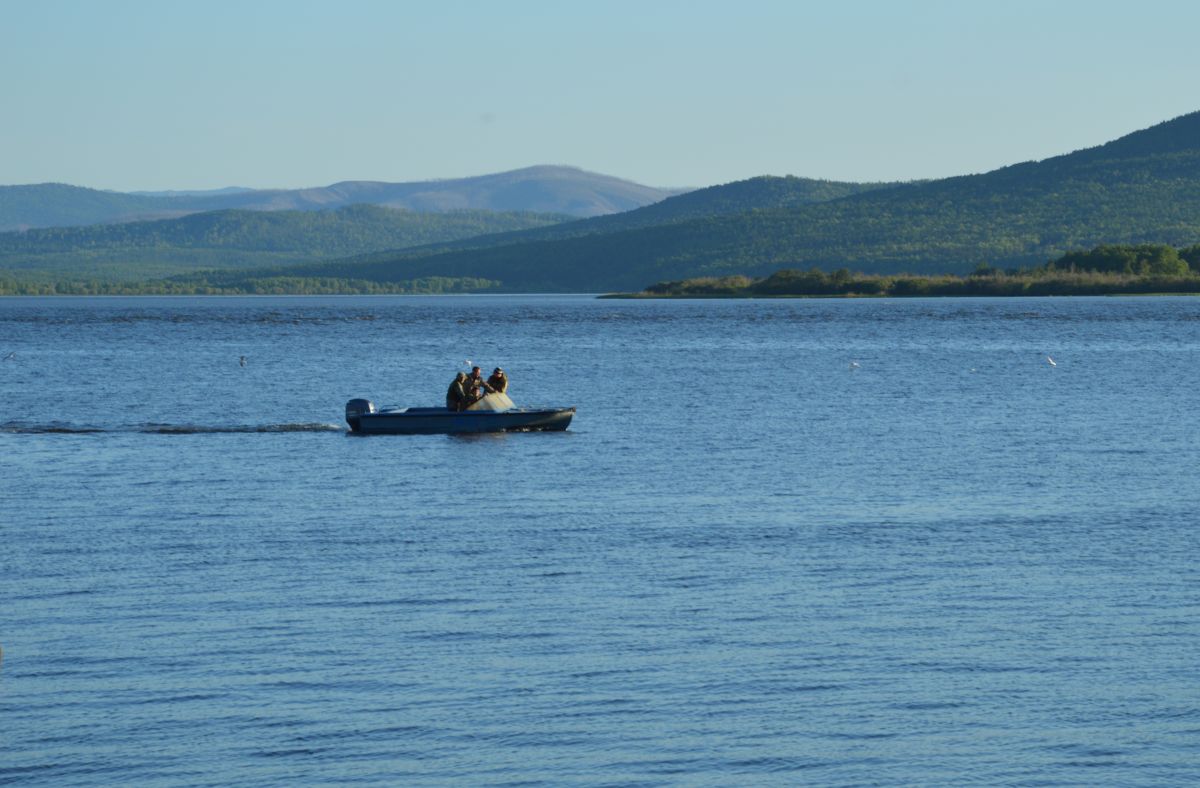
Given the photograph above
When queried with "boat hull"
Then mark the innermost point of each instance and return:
(439, 421)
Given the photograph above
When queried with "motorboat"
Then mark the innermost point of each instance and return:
(363, 417)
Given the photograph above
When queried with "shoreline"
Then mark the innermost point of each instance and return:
(875, 296)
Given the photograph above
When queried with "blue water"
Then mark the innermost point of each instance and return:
(748, 562)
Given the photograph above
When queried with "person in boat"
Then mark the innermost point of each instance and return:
(476, 386)
(498, 381)
(456, 395)
(495, 399)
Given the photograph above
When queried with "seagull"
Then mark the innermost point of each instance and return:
(11, 356)
(242, 361)
(1052, 362)
(853, 365)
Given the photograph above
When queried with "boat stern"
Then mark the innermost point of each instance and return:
(355, 410)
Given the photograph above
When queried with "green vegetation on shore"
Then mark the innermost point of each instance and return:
(1105, 270)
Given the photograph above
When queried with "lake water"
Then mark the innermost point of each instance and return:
(748, 562)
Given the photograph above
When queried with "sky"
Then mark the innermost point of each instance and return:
(141, 95)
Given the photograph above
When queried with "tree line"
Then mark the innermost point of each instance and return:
(1103, 270)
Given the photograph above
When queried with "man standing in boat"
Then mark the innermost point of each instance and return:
(476, 386)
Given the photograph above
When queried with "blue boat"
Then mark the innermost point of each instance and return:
(363, 418)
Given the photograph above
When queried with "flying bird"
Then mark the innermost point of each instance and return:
(853, 365)
(11, 356)
(242, 361)
(1052, 362)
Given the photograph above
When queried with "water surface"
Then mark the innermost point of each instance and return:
(833, 542)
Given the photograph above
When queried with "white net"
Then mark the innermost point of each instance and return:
(494, 401)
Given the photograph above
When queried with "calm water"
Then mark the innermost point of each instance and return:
(748, 562)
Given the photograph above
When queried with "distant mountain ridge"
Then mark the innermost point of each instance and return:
(233, 239)
(763, 192)
(236, 239)
(539, 189)
(1141, 188)
(193, 192)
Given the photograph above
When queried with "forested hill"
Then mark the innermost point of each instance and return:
(543, 189)
(1143, 188)
(240, 239)
(754, 194)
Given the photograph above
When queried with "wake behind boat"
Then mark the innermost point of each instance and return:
(363, 417)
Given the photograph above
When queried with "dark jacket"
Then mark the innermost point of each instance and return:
(456, 396)
(498, 383)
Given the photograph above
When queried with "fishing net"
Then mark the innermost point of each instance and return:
(494, 401)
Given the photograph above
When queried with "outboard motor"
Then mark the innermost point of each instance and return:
(356, 408)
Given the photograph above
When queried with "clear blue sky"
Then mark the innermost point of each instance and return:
(285, 93)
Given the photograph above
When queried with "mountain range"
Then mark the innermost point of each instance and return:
(239, 239)
(236, 239)
(1141, 188)
(541, 189)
